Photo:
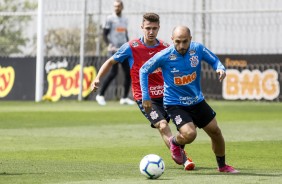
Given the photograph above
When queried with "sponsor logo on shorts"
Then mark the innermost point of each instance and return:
(154, 115)
(177, 120)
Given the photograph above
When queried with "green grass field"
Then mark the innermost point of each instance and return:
(83, 143)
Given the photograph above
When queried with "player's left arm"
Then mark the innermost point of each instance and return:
(214, 61)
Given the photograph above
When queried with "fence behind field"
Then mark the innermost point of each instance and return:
(224, 26)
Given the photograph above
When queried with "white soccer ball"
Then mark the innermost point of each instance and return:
(152, 166)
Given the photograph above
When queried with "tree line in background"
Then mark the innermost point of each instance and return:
(12, 37)
(66, 41)
(58, 41)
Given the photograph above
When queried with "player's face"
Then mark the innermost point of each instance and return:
(118, 8)
(150, 30)
(181, 42)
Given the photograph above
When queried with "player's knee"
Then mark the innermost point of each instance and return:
(162, 125)
(216, 131)
(189, 136)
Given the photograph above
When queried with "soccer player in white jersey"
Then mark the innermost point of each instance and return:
(183, 98)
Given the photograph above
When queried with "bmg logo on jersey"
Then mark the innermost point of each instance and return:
(185, 79)
(194, 61)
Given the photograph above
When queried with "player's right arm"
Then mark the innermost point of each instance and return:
(102, 72)
(120, 56)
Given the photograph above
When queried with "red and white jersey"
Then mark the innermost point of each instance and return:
(137, 53)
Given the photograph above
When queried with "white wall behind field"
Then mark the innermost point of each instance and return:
(225, 26)
(242, 26)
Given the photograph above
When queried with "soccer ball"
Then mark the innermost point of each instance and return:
(152, 166)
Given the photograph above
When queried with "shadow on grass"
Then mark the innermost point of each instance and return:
(213, 171)
(160, 179)
(16, 174)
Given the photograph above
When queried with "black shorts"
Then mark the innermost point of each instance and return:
(200, 114)
(157, 112)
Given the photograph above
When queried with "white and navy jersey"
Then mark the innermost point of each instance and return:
(181, 73)
(118, 29)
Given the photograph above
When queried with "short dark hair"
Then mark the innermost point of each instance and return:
(120, 2)
(151, 17)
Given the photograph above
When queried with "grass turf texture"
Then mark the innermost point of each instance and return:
(83, 143)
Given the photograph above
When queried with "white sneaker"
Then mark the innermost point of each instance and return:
(100, 100)
(124, 101)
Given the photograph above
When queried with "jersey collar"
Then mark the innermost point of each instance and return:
(142, 41)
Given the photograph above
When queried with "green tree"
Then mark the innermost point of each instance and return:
(66, 41)
(12, 37)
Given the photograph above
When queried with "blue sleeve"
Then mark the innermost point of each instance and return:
(148, 67)
(123, 53)
(212, 59)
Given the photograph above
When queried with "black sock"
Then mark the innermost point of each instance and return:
(220, 161)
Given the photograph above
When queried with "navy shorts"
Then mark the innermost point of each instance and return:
(157, 112)
(200, 114)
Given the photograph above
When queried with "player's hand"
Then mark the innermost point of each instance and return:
(95, 85)
(221, 74)
(147, 105)
(111, 48)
